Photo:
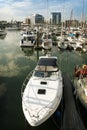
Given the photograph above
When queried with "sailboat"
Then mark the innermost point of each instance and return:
(42, 92)
(47, 37)
(46, 41)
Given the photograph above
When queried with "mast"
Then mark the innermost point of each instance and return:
(83, 15)
(70, 22)
(47, 16)
(62, 25)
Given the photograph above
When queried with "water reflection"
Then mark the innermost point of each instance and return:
(15, 64)
(28, 51)
(3, 36)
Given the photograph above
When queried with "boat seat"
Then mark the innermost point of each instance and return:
(46, 68)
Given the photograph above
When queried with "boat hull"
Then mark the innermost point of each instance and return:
(81, 90)
(40, 99)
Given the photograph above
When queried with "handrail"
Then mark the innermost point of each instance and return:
(25, 82)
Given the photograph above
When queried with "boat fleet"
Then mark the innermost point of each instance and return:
(42, 90)
(75, 39)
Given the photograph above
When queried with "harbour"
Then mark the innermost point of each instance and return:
(15, 64)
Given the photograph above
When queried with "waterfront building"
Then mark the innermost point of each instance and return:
(28, 21)
(37, 19)
(72, 23)
(56, 18)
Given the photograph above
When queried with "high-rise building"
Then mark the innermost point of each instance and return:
(37, 19)
(56, 18)
(27, 21)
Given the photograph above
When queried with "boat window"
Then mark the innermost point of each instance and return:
(42, 82)
(43, 73)
(47, 74)
(24, 38)
(49, 36)
(41, 91)
(39, 74)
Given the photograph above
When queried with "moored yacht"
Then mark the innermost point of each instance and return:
(42, 92)
(28, 39)
(46, 41)
(80, 84)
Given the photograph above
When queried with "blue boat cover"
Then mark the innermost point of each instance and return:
(48, 62)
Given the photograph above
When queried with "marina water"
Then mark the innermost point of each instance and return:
(15, 64)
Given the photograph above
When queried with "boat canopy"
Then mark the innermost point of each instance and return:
(48, 62)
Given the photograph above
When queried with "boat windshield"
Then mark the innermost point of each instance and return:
(28, 38)
(46, 67)
(48, 75)
(42, 74)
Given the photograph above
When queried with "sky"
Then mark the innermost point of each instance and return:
(22, 9)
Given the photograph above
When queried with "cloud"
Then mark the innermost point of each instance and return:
(14, 9)
(14, 63)
(20, 9)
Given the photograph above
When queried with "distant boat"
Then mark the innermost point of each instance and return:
(2, 32)
(42, 91)
(28, 39)
(63, 44)
(80, 84)
(28, 51)
(12, 28)
(46, 41)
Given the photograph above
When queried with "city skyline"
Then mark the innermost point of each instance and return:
(20, 9)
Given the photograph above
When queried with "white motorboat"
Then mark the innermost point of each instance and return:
(43, 91)
(76, 44)
(46, 41)
(80, 84)
(84, 48)
(28, 39)
(63, 44)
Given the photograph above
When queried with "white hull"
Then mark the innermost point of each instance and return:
(46, 41)
(81, 90)
(47, 44)
(28, 40)
(41, 97)
(26, 44)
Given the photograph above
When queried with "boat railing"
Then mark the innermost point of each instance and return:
(25, 82)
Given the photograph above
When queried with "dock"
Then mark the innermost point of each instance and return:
(71, 118)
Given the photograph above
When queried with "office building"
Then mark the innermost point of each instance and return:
(56, 18)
